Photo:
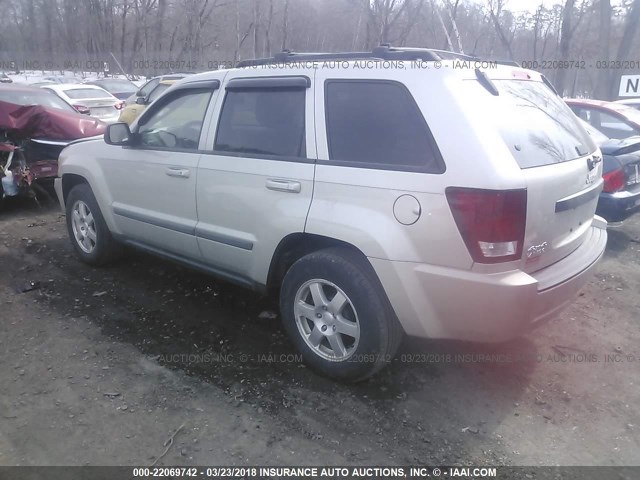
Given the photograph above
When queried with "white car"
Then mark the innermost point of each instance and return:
(89, 99)
(632, 102)
(424, 196)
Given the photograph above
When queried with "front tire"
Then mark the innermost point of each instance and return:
(338, 316)
(88, 232)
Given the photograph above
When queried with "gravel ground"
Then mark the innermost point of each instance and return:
(103, 366)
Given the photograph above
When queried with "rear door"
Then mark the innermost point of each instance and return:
(255, 181)
(561, 165)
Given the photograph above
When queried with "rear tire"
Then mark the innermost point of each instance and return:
(338, 316)
(90, 237)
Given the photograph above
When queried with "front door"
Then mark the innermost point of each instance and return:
(153, 182)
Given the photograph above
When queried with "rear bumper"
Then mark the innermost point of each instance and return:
(438, 302)
(618, 206)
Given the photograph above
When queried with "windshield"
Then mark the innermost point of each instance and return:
(539, 128)
(84, 93)
(43, 97)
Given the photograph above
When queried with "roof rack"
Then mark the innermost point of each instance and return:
(383, 52)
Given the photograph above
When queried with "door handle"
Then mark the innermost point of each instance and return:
(178, 172)
(284, 186)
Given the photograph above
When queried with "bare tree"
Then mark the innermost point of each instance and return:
(384, 16)
(495, 11)
(285, 24)
(256, 28)
(570, 22)
(603, 89)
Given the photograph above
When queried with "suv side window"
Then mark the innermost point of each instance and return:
(156, 92)
(151, 84)
(377, 124)
(177, 124)
(263, 122)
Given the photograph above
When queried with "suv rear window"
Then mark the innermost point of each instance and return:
(263, 122)
(539, 128)
(378, 124)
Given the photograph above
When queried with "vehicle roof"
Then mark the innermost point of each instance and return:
(629, 101)
(445, 68)
(436, 62)
(168, 82)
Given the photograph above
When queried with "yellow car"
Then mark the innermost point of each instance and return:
(131, 112)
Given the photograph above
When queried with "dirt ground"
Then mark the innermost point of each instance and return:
(103, 366)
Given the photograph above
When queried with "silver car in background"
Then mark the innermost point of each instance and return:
(89, 100)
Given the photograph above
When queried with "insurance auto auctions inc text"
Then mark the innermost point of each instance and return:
(377, 472)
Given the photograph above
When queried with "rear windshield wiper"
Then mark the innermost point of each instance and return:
(486, 82)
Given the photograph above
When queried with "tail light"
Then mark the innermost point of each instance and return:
(491, 222)
(82, 109)
(613, 181)
(119, 105)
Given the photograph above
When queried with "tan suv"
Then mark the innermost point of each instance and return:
(399, 191)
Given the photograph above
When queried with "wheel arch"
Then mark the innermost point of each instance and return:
(70, 180)
(295, 246)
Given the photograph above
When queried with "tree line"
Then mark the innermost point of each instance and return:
(582, 45)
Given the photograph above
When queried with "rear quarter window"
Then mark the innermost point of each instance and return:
(378, 125)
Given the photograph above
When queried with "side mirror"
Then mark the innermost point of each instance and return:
(141, 100)
(118, 134)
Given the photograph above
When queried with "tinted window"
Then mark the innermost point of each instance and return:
(149, 86)
(378, 123)
(263, 122)
(178, 123)
(536, 124)
(159, 90)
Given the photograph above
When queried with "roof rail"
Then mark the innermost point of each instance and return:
(383, 52)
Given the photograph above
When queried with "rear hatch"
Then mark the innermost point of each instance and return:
(562, 167)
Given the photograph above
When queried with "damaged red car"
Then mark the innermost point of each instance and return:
(31, 139)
